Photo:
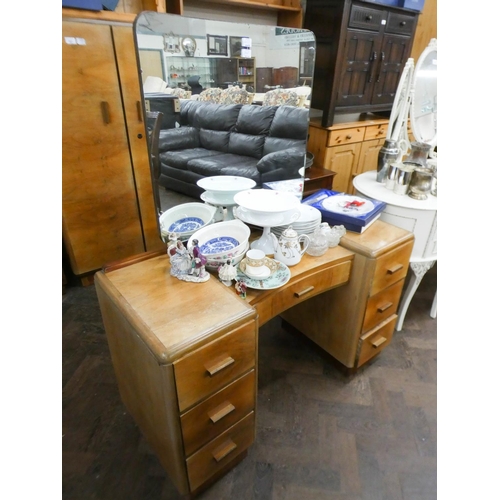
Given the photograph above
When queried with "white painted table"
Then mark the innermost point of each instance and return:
(417, 216)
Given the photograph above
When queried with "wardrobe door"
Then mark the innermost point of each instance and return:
(101, 220)
(123, 37)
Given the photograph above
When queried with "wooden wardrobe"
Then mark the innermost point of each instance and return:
(108, 212)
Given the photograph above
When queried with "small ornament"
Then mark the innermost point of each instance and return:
(241, 289)
(227, 273)
(172, 245)
(185, 267)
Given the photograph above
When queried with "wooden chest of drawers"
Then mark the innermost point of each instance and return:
(190, 385)
(357, 321)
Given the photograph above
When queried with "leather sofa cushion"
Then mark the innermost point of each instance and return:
(217, 116)
(247, 145)
(179, 159)
(178, 138)
(255, 120)
(215, 139)
(290, 123)
(273, 144)
(214, 165)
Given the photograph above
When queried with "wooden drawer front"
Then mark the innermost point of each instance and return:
(212, 367)
(382, 305)
(216, 454)
(375, 340)
(308, 287)
(391, 267)
(376, 132)
(207, 420)
(400, 24)
(345, 136)
(365, 18)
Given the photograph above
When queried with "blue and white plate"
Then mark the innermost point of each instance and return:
(219, 245)
(186, 224)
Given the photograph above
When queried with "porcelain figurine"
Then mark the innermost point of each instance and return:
(227, 273)
(241, 289)
(290, 247)
(172, 245)
(186, 267)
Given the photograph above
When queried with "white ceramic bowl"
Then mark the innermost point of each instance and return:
(266, 200)
(222, 188)
(222, 239)
(185, 219)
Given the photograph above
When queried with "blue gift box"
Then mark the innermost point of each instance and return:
(412, 4)
(83, 4)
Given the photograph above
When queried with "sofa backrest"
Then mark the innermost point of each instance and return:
(248, 130)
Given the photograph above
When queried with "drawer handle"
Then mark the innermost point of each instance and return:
(221, 411)
(369, 17)
(403, 23)
(139, 111)
(378, 342)
(224, 450)
(395, 269)
(217, 367)
(383, 308)
(303, 292)
(349, 137)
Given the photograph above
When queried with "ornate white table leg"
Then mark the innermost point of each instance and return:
(419, 269)
(434, 306)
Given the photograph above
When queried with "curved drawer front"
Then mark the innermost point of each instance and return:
(391, 267)
(219, 452)
(382, 305)
(297, 291)
(207, 420)
(210, 368)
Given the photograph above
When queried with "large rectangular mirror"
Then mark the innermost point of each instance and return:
(234, 99)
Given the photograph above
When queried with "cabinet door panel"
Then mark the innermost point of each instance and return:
(360, 63)
(100, 214)
(393, 56)
(342, 160)
(368, 158)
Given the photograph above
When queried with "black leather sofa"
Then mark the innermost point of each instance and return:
(264, 143)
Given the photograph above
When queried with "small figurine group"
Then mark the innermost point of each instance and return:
(186, 265)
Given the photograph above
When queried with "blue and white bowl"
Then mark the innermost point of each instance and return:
(186, 219)
(222, 240)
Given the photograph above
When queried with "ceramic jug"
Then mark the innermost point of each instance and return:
(290, 247)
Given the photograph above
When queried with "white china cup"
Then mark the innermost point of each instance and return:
(255, 262)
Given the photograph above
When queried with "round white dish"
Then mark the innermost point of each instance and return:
(218, 199)
(266, 219)
(342, 204)
(276, 280)
(266, 201)
(213, 263)
(226, 183)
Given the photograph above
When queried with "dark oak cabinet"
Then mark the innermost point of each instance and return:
(362, 48)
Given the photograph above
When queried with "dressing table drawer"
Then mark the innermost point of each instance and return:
(382, 305)
(304, 289)
(391, 267)
(218, 453)
(210, 368)
(372, 342)
(375, 132)
(207, 420)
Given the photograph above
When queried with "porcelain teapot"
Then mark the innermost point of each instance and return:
(290, 247)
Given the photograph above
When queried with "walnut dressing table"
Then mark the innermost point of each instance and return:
(185, 354)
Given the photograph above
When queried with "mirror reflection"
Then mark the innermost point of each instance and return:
(233, 101)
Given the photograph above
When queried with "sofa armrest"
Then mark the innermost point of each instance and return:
(178, 138)
(283, 164)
